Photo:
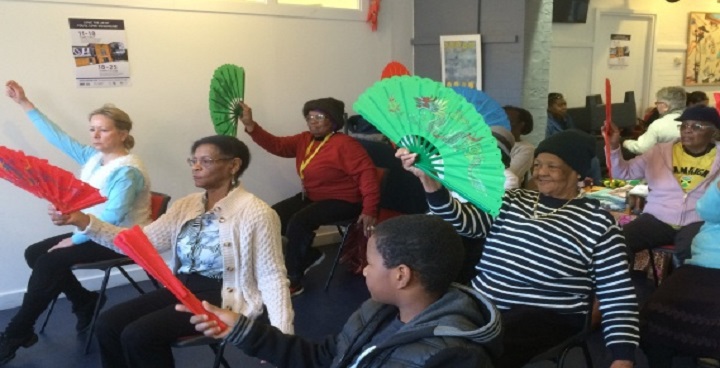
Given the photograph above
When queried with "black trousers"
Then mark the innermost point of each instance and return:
(299, 218)
(51, 275)
(647, 232)
(529, 331)
(139, 332)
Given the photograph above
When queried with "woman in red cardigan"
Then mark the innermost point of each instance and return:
(339, 181)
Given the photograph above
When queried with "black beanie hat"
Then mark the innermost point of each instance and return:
(573, 146)
(335, 109)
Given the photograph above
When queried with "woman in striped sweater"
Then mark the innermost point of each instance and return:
(546, 254)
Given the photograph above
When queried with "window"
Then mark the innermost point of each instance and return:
(340, 4)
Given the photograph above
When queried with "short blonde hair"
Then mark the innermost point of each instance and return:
(120, 118)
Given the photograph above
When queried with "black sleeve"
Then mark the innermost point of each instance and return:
(460, 357)
(266, 342)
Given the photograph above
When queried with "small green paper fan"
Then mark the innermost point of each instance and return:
(227, 88)
(453, 143)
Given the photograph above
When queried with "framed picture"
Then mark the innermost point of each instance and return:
(461, 61)
(702, 66)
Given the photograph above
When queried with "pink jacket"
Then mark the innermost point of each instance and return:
(666, 199)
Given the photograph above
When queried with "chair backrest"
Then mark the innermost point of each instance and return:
(401, 191)
(158, 204)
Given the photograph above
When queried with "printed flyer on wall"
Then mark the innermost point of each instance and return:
(101, 57)
(619, 52)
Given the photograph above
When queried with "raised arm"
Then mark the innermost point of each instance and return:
(467, 219)
(56, 136)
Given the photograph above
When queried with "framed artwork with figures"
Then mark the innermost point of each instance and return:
(702, 66)
(461, 61)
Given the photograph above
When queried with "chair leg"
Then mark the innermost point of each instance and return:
(219, 350)
(337, 258)
(49, 312)
(586, 353)
(131, 280)
(96, 312)
(561, 358)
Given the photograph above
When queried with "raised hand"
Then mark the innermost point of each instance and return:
(17, 94)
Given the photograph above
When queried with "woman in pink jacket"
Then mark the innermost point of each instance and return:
(677, 174)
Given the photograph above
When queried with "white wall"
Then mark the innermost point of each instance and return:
(572, 52)
(287, 61)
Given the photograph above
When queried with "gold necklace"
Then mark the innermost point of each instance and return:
(537, 200)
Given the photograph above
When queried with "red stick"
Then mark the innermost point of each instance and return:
(607, 129)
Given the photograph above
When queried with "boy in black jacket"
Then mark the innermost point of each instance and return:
(415, 317)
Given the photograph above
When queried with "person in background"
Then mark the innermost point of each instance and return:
(339, 181)
(697, 98)
(521, 155)
(677, 174)
(415, 317)
(546, 255)
(670, 102)
(226, 248)
(505, 142)
(558, 118)
(681, 317)
(107, 165)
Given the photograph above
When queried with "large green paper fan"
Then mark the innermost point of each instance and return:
(227, 88)
(453, 143)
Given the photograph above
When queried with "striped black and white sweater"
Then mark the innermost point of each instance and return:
(553, 261)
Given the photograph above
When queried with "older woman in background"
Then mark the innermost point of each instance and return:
(339, 181)
(670, 102)
(677, 174)
(226, 249)
(546, 254)
(521, 155)
(107, 165)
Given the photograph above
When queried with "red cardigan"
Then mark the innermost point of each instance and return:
(341, 169)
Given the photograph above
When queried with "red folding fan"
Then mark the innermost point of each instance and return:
(394, 68)
(37, 176)
(137, 246)
(607, 129)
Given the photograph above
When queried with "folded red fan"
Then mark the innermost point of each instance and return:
(35, 175)
(135, 244)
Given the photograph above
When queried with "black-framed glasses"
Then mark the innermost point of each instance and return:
(205, 162)
(316, 118)
(694, 126)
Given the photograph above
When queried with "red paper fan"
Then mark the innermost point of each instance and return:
(137, 246)
(35, 175)
(394, 68)
(607, 128)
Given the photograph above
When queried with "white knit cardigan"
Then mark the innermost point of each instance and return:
(254, 268)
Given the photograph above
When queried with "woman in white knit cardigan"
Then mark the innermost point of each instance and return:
(227, 249)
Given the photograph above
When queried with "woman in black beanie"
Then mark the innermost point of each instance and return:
(546, 254)
(338, 178)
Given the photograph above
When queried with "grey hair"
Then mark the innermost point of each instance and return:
(674, 97)
(121, 120)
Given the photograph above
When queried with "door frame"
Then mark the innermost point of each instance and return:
(596, 84)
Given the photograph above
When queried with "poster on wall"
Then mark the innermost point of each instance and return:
(702, 63)
(461, 61)
(101, 57)
(619, 54)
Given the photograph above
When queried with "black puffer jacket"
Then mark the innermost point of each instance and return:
(461, 329)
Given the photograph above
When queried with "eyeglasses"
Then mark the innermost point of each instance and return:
(660, 103)
(205, 162)
(316, 118)
(694, 126)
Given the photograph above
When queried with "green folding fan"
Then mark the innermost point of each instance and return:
(227, 88)
(453, 143)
